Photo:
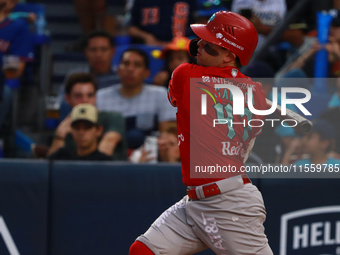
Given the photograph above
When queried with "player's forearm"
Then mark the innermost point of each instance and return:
(109, 142)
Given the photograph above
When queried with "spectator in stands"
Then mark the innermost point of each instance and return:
(265, 16)
(333, 47)
(92, 15)
(335, 99)
(145, 107)
(81, 88)
(15, 40)
(269, 145)
(175, 53)
(165, 146)
(157, 22)
(319, 143)
(295, 150)
(85, 131)
(206, 8)
(332, 115)
(99, 51)
(29, 16)
(305, 57)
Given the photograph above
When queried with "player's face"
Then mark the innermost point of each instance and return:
(213, 55)
(99, 54)
(81, 93)
(132, 69)
(85, 134)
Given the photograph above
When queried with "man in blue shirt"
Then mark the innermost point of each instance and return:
(15, 40)
(99, 51)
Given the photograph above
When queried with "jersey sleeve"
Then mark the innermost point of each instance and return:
(176, 84)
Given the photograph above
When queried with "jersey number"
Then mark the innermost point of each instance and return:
(229, 118)
(150, 16)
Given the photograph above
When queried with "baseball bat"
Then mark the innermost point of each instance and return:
(303, 125)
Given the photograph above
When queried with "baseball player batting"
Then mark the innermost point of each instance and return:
(224, 212)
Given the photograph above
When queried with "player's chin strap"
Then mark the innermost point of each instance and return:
(193, 47)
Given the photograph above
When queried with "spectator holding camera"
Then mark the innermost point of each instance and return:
(162, 149)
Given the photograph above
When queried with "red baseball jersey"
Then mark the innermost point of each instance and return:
(213, 141)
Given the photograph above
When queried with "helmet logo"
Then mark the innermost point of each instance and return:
(211, 18)
(219, 35)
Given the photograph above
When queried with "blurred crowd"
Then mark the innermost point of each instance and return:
(120, 112)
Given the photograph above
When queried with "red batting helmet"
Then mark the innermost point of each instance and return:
(231, 31)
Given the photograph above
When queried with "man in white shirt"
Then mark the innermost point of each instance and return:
(144, 107)
(264, 14)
